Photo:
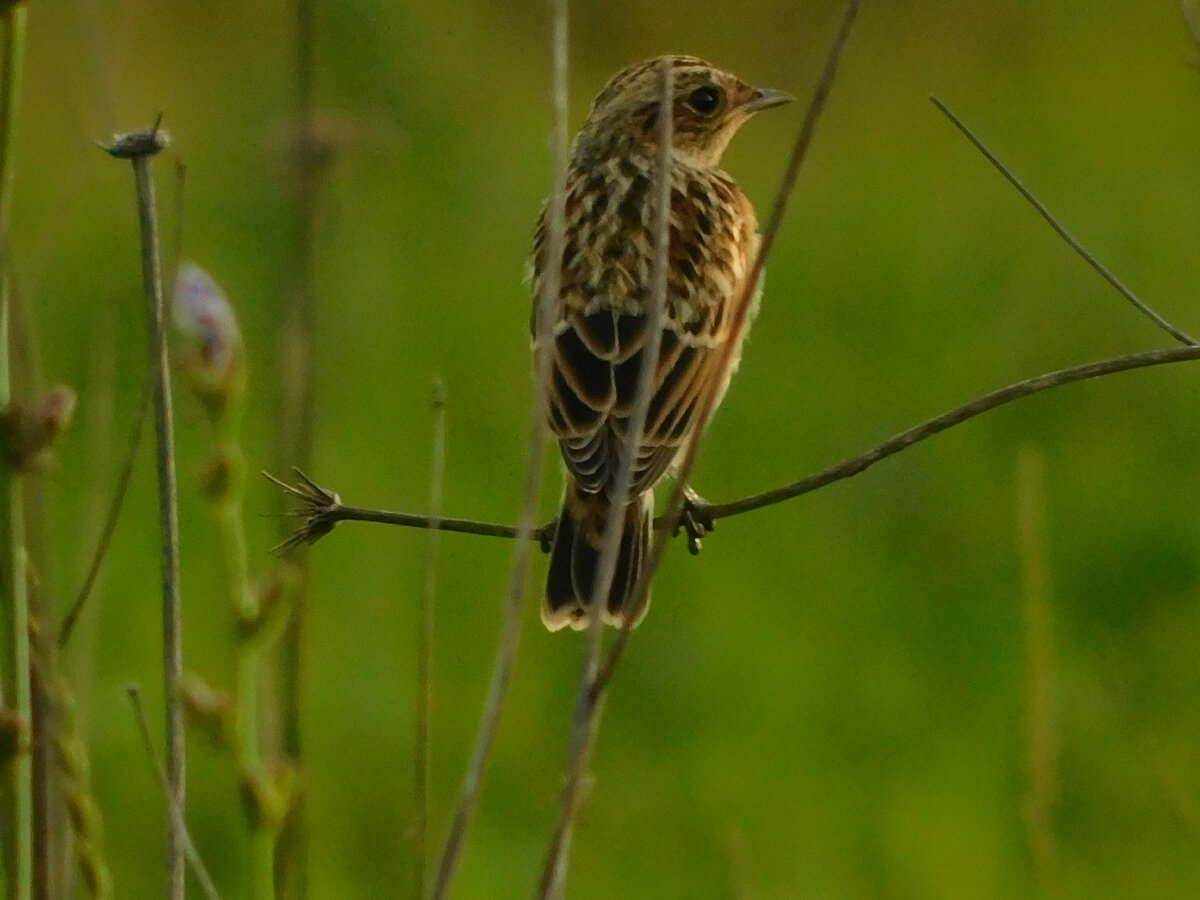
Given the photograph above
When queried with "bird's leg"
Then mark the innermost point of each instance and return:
(696, 519)
(545, 535)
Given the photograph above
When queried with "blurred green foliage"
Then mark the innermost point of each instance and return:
(830, 701)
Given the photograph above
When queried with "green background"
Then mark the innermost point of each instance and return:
(831, 700)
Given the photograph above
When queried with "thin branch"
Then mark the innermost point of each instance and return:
(1061, 230)
(738, 322)
(585, 723)
(323, 509)
(295, 429)
(905, 439)
(437, 479)
(511, 629)
(70, 757)
(124, 477)
(845, 469)
(140, 147)
(174, 810)
(16, 771)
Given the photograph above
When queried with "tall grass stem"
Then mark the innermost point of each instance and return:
(510, 634)
(16, 791)
(437, 479)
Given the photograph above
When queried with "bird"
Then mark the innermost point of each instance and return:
(599, 320)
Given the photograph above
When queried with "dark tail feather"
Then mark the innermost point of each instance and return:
(575, 560)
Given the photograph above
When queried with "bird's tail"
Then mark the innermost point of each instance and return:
(575, 560)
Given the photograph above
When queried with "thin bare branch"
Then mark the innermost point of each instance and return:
(296, 426)
(437, 479)
(16, 700)
(738, 322)
(905, 439)
(511, 630)
(848, 467)
(1061, 230)
(124, 477)
(586, 719)
(174, 810)
(322, 509)
(140, 147)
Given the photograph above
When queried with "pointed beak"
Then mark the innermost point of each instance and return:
(765, 98)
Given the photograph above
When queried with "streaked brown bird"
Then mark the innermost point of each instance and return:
(599, 323)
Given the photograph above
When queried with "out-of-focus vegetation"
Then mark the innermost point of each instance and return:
(830, 700)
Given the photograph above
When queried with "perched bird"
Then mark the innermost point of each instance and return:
(599, 320)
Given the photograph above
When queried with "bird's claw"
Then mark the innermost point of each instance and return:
(697, 520)
(545, 535)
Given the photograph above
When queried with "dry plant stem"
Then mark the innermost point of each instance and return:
(584, 724)
(16, 797)
(49, 826)
(47, 876)
(905, 439)
(174, 810)
(322, 510)
(296, 427)
(172, 612)
(848, 467)
(463, 526)
(322, 517)
(437, 480)
(1061, 230)
(1040, 767)
(114, 510)
(511, 629)
(70, 758)
(244, 601)
(737, 328)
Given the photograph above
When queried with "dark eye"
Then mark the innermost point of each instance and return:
(705, 100)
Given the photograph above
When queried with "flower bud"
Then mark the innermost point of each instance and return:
(27, 432)
(213, 360)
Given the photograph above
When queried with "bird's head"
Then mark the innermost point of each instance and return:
(709, 106)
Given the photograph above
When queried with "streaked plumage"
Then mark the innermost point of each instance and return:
(599, 322)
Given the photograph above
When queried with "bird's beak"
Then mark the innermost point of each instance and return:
(765, 98)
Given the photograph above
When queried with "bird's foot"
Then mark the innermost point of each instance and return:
(696, 519)
(545, 535)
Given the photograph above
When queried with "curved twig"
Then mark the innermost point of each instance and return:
(324, 509)
(510, 634)
(1182, 336)
(906, 439)
(124, 477)
(586, 718)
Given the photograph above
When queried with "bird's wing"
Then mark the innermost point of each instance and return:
(599, 342)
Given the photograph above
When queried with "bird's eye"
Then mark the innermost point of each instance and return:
(705, 100)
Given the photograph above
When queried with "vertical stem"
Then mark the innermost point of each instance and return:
(425, 639)
(585, 724)
(16, 790)
(174, 810)
(510, 634)
(172, 618)
(244, 601)
(685, 462)
(295, 446)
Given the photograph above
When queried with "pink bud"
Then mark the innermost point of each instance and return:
(202, 313)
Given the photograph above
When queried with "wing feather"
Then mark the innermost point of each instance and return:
(601, 330)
